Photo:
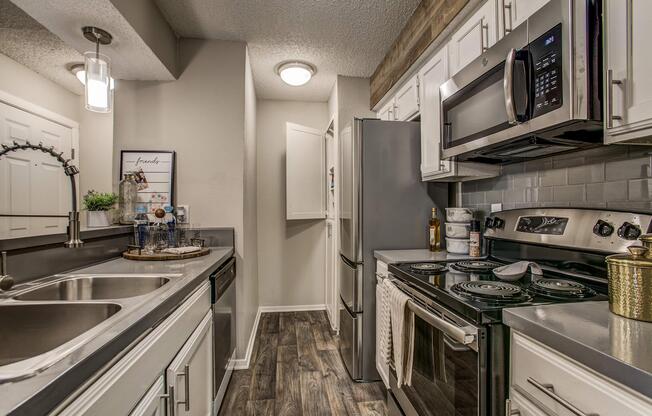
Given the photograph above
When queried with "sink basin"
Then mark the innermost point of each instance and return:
(96, 288)
(32, 329)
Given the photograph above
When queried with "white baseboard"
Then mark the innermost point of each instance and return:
(293, 308)
(243, 363)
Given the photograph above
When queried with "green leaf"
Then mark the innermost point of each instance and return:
(97, 201)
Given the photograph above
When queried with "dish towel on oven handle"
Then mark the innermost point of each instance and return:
(383, 324)
(402, 333)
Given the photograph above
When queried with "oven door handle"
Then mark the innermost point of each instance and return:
(508, 86)
(463, 335)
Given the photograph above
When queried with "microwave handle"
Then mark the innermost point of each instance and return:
(508, 86)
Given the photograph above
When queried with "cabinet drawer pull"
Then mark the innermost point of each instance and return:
(549, 390)
(485, 29)
(509, 411)
(507, 7)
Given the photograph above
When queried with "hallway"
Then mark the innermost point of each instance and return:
(296, 370)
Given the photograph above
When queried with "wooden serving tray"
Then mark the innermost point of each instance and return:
(132, 255)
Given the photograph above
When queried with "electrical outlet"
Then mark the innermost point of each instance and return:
(183, 214)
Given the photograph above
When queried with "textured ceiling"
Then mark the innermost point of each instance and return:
(26, 41)
(131, 57)
(345, 37)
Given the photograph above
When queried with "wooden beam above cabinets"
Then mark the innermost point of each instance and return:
(427, 22)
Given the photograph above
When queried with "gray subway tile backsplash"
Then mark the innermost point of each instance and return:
(615, 177)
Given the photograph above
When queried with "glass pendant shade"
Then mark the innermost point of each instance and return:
(99, 95)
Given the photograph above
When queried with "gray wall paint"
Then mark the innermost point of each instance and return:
(202, 117)
(291, 254)
(614, 176)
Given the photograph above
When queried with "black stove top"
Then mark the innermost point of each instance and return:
(471, 289)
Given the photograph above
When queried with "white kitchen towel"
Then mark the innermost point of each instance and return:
(181, 250)
(402, 325)
(383, 325)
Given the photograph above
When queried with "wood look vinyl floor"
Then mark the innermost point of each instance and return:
(296, 370)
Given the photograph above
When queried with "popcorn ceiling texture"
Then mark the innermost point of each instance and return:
(131, 57)
(616, 176)
(345, 37)
(27, 42)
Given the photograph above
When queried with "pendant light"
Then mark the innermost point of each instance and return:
(97, 72)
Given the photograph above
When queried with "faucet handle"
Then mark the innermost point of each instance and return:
(6, 281)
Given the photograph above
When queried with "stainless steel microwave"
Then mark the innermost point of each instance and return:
(536, 92)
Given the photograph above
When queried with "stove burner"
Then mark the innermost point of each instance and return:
(476, 265)
(427, 268)
(560, 288)
(489, 290)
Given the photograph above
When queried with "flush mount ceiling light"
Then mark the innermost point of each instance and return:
(97, 72)
(79, 71)
(295, 73)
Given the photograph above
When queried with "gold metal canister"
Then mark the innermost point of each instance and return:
(630, 281)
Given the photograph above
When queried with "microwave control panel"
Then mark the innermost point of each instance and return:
(546, 58)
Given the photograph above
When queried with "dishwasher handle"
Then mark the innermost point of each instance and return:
(221, 279)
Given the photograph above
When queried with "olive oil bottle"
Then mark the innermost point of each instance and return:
(434, 232)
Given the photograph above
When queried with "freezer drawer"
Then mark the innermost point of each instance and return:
(351, 342)
(351, 276)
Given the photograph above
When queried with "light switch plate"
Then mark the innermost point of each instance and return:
(496, 207)
(183, 214)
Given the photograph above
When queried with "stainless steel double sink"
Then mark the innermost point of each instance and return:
(44, 317)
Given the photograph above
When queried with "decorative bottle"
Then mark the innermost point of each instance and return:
(434, 232)
(127, 199)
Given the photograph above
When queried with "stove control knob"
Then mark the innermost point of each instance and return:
(603, 229)
(629, 231)
(489, 223)
(499, 223)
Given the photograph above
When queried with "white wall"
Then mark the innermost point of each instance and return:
(95, 130)
(249, 286)
(291, 254)
(206, 117)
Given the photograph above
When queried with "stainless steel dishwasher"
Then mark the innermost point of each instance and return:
(223, 303)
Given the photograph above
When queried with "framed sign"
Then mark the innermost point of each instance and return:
(154, 171)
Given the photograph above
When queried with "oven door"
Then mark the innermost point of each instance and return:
(449, 369)
(488, 101)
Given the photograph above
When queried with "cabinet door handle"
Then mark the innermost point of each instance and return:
(508, 409)
(549, 390)
(506, 7)
(186, 376)
(485, 29)
(170, 399)
(610, 99)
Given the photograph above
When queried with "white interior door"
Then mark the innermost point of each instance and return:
(32, 182)
(190, 375)
(305, 173)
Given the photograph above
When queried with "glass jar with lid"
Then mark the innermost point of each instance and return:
(127, 195)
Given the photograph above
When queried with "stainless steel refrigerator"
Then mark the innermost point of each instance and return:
(384, 205)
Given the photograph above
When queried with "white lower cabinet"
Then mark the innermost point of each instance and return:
(544, 381)
(190, 376)
(381, 364)
(132, 385)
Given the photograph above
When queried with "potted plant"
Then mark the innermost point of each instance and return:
(97, 205)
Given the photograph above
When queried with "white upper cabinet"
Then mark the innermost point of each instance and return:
(432, 75)
(512, 13)
(387, 112)
(406, 104)
(305, 170)
(628, 63)
(474, 37)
